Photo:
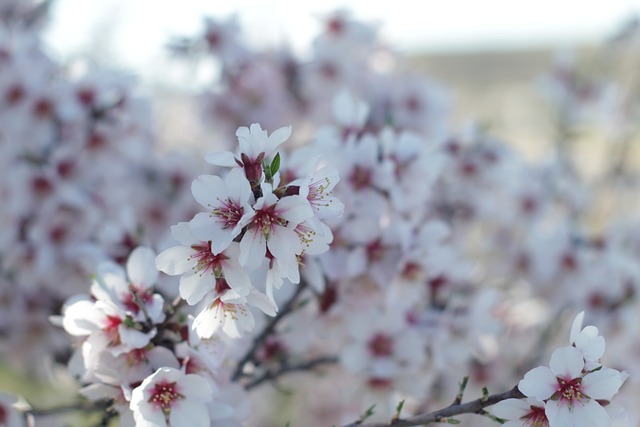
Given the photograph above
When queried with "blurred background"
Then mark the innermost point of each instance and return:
(489, 54)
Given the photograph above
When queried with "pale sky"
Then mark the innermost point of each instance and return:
(133, 31)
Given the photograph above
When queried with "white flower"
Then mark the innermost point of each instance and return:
(254, 141)
(168, 397)
(112, 284)
(272, 227)
(317, 188)
(105, 323)
(231, 314)
(255, 146)
(587, 340)
(521, 413)
(571, 396)
(227, 202)
(202, 271)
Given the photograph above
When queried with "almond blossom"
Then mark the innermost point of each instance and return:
(169, 398)
(572, 396)
(227, 202)
(201, 270)
(272, 227)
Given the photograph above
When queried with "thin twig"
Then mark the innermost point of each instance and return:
(85, 406)
(285, 369)
(142, 306)
(473, 407)
(268, 330)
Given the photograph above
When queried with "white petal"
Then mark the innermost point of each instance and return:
(148, 416)
(261, 301)
(284, 244)
(558, 415)
(276, 138)
(539, 382)
(566, 362)
(182, 233)
(80, 317)
(294, 209)
(236, 276)
(132, 338)
(253, 247)
(590, 414)
(209, 190)
(195, 286)
(511, 409)
(206, 323)
(602, 384)
(238, 187)
(221, 158)
(141, 267)
(590, 343)
(175, 261)
(196, 388)
(576, 327)
(188, 413)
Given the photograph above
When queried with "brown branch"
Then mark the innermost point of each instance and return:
(268, 330)
(285, 369)
(473, 407)
(81, 406)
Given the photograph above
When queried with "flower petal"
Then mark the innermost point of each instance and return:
(539, 382)
(566, 362)
(602, 384)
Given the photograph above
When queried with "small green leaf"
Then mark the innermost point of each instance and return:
(275, 164)
(368, 413)
(485, 394)
(452, 421)
(396, 416)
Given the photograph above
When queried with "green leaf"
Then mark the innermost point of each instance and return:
(396, 416)
(368, 413)
(275, 164)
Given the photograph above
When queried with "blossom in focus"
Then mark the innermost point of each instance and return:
(168, 397)
(521, 413)
(227, 201)
(201, 270)
(571, 395)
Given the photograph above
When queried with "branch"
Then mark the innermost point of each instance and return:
(84, 406)
(284, 369)
(268, 330)
(473, 407)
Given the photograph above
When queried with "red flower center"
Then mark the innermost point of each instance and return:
(381, 345)
(163, 395)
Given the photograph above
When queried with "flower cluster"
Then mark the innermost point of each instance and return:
(380, 247)
(252, 222)
(134, 354)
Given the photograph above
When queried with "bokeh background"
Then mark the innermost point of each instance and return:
(492, 56)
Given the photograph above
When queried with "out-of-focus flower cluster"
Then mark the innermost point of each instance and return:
(82, 182)
(376, 245)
